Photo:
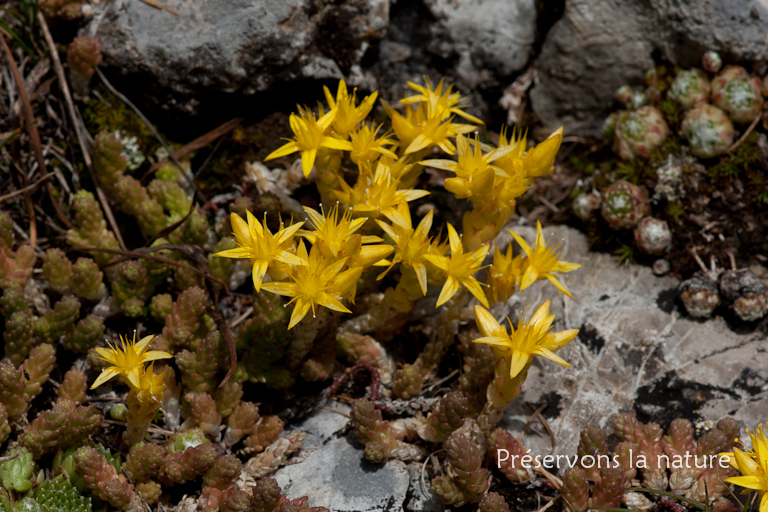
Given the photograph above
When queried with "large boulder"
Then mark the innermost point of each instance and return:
(237, 47)
(222, 51)
(599, 45)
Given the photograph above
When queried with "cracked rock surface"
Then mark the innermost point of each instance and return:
(635, 351)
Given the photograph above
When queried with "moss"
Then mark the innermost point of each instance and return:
(109, 114)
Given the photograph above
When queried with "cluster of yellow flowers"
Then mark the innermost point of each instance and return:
(387, 167)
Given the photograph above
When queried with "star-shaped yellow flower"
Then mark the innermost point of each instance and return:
(378, 195)
(256, 242)
(128, 361)
(439, 102)
(318, 282)
(753, 466)
(459, 268)
(411, 245)
(336, 238)
(347, 114)
(531, 338)
(542, 262)
(309, 136)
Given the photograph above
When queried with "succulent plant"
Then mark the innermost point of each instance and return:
(690, 88)
(652, 236)
(699, 295)
(624, 204)
(746, 293)
(738, 93)
(708, 129)
(585, 204)
(711, 61)
(83, 55)
(639, 132)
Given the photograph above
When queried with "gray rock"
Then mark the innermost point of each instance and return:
(488, 36)
(600, 45)
(215, 50)
(235, 46)
(635, 351)
(337, 476)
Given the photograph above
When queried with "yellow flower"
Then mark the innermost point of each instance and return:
(151, 386)
(416, 130)
(309, 137)
(530, 339)
(439, 102)
(128, 361)
(347, 114)
(505, 274)
(336, 238)
(366, 147)
(379, 194)
(474, 170)
(411, 245)
(753, 466)
(532, 163)
(542, 262)
(257, 243)
(458, 269)
(318, 281)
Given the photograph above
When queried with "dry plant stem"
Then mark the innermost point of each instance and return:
(199, 142)
(161, 6)
(84, 149)
(34, 136)
(746, 134)
(26, 189)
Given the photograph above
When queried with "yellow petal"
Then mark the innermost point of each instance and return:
(334, 143)
(285, 289)
(103, 377)
(450, 288)
(748, 482)
(308, 161)
(517, 363)
(493, 340)
(238, 252)
(523, 243)
(454, 241)
(558, 285)
(154, 355)
(475, 289)
(284, 150)
(529, 278)
(329, 302)
(544, 352)
(299, 312)
(421, 275)
(486, 323)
